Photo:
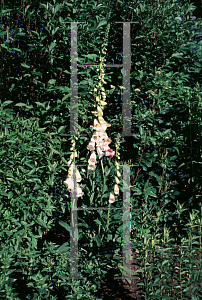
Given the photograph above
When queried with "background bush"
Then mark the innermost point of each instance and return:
(164, 152)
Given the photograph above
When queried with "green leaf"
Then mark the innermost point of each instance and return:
(64, 248)
(17, 49)
(65, 225)
(25, 66)
(52, 81)
(61, 128)
(136, 190)
(20, 104)
(103, 22)
(65, 97)
(98, 222)
(152, 194)
(5, 103)
(183, 164)
(41, 222)
(141, 130)
(52, 45)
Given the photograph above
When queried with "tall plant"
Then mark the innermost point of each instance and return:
(102, 178)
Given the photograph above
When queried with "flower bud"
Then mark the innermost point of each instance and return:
(117, 180)
(116, 189)
(118, 174)
(111, 198)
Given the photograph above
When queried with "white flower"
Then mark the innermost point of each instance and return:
(118, 173)
(103, 103)
(91, 167)
(99, 143)
(91, 146)
(111, 198)
(96, 137)
(95, 113)
(70, 174)
(116, 189)
(99, 152)
(105, 146)
(100, 112)
(79, 192)
(92, 159)
(117, 180)
(102, 135)
(78, 176)
(69, 183)
(101, 128)
(103, 122)
(96, 125)
(69, 162)
(112, 86)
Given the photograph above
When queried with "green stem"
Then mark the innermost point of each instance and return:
(104, 181)
(93, 188)
(91, 201)
(108, 218)
(102, 168)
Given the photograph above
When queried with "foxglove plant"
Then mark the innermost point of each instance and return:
(98, 146)
(100, 139)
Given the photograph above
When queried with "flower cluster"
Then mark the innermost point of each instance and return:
(100, 139)
(69, 182)
(118, 174)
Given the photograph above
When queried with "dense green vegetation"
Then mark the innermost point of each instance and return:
(164, 151)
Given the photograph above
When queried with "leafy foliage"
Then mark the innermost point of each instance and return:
(164, 151)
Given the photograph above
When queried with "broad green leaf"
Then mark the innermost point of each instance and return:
(65, 248)
(103, 22)
(52, 45)
(5, 103)
(65, 225)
